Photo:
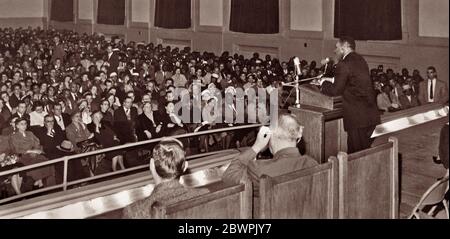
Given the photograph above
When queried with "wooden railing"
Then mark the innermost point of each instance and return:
(65, 183)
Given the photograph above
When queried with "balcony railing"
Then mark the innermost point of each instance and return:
(65, 183)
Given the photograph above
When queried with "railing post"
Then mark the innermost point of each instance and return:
(65, 173)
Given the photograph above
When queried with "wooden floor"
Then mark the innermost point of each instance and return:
(417, 146)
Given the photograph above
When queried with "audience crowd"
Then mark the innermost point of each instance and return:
(63, 93)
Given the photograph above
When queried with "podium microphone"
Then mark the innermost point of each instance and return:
(298, 73)
(298, 69)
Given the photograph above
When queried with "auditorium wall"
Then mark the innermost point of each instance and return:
(23, 13)
(306, 30)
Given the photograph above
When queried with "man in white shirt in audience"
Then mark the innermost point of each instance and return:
(433, 90)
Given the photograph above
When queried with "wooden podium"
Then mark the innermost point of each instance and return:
(321, 116)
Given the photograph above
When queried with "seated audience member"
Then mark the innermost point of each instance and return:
(282, 140)
(62, 120)
(77, 131)
(13, 184)
(22, 111)
(3, 121)
(107, 112)
(408, 99)
(37, 116)
(171, 122)
(384, 101)
(50, 137)
(11, 128)
(7, 110)
(125, 120)
(106, 137)
(27, 146)
(166, 166)
(148, 125)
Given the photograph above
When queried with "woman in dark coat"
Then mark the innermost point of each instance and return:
(106, 137)
(108, 117)
(148, 125)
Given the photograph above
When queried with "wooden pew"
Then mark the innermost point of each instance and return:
(307, 193)
(227, 202)
(369, 182)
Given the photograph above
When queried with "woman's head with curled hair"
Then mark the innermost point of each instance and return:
(168, 160)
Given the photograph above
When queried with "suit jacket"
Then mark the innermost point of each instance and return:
(3, 122)
(164, 193)
(113, 62)
(284, 161)
(406, 104)
(6, 113)
(58, 52)
(440, 92)
(66, 120)
(49, 143)
(125, 128)
(144, 123)
(14, 100)
(352, 82)
(159, 78)
(76, 135)
(25, 116)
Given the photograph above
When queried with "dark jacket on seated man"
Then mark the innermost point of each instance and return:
(282, 142)
(167, 165)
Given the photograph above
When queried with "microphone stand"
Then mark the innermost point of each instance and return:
(297, 92)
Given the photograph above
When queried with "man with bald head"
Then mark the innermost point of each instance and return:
(281, 138)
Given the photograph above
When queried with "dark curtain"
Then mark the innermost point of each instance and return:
(173, 14)
(368, 19)
(111, 12)
(62, 10)
(254, 16)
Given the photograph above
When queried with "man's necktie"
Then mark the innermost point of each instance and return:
(431, 90)
(127, 111)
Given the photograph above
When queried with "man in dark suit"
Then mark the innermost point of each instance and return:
(112, 58)
(433, 90)
(7, 110)
(407, 99)
(15, 96)
(62, 120)
(124, 121)
(50, 137)
(58, 50)
(22, 111)
(352, 82)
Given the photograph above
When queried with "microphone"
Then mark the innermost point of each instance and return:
(298, 70)
(325, 61)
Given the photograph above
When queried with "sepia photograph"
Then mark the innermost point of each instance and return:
(224, 109)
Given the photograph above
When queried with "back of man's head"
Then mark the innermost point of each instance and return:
(169, 159)
(288, 128)
(349, 40)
